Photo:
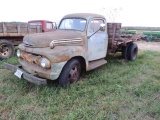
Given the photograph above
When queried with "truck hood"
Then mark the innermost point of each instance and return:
(41, 40)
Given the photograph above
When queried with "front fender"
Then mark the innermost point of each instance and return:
(65, 53)
(56, 69)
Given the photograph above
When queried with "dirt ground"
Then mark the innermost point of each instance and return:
(143, 45)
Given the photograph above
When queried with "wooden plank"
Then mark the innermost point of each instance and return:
(4, 29)
(33, 30)
(112, 34)
(111, 31)
(114, 38)
(1, 29)
(114, 25)
(23, 28)
(18, 28)
(1, 24)
(11, 29)
(12, 34)
(34, 26)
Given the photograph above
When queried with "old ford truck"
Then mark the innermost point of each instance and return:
(81, 42)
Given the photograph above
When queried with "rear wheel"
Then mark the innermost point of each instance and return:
(6, 49)
(132, 51)
(70, 73)
(124, 52)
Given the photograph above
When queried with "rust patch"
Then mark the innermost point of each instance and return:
(32, 68)
(62, 57)
(31, 58)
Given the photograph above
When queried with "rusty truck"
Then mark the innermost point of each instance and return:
(81, 43)
(12, 33)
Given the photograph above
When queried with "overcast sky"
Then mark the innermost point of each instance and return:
(128, 12)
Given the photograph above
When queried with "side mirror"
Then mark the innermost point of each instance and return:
(102, 27)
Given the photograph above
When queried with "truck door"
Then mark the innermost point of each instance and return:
(97, 44)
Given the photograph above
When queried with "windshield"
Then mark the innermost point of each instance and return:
(73, 24)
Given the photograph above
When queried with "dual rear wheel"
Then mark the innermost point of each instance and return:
(130, 51)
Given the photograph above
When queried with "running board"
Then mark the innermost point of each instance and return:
(96, 63)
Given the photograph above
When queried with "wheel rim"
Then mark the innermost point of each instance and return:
(5, 50)
(74, 74)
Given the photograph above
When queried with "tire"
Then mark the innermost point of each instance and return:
(6, 49)
(70, 73)
(132, 51)
(124, 52)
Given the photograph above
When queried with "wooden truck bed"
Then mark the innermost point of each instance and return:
(116, 40)
(18, 29)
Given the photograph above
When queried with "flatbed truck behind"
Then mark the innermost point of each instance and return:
(12, 33)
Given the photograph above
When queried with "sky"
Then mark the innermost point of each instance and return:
(127, 12)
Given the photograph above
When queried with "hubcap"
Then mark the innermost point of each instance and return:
(74, 74)
(5, 50)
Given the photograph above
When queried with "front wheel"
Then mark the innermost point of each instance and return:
(70, 73)
(6, 49)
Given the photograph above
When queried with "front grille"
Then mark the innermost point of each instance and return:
(31, 58)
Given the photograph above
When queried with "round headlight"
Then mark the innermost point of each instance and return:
(45, 63)
(18, 53)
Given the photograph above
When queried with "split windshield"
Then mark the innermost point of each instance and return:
(73, 24)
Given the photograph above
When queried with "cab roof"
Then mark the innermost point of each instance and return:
(83, 15)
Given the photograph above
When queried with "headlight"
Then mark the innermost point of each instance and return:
(18, 53)
(45, 63)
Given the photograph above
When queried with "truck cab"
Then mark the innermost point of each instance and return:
(46, 25)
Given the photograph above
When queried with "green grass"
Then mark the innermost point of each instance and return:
(118, 90)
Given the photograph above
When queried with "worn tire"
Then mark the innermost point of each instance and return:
(124, 52)
(132, 51)
(70, 73)
(6, 49)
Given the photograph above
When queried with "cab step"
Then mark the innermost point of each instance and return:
(96, 63)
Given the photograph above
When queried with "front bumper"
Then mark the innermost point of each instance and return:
(27, 76)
